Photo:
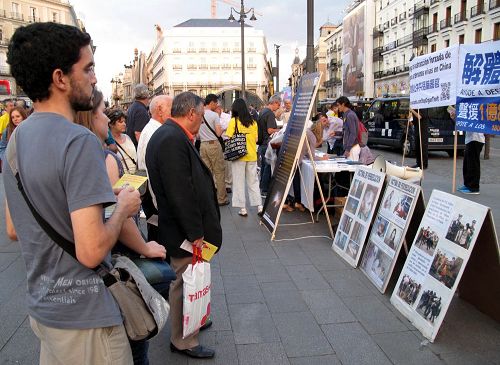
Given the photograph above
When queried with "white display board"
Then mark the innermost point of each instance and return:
(389, 230)
(358, 214)
(433, 79)
(437, 259)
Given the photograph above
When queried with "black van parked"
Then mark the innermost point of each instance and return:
(387, 118)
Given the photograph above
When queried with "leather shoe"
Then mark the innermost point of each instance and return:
(207, 324)
(224, 203)
(198, 352)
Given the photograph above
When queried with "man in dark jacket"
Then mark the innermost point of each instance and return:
(350, 129)
(137, 114)
(187, 203)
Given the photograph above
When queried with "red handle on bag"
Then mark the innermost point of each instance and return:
(196, 255)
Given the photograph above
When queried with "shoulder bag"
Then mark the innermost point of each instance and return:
(220, 139)
(143, 309)
(236, 146)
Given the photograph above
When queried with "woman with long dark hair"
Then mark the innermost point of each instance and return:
(17, 115)
(245, 168)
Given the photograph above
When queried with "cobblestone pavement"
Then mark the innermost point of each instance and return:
(296, 301)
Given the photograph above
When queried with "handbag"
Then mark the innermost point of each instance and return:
(220, 139)
(143, 309)
(236, 146)
(196, 290)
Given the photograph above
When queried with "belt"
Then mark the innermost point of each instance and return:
(209, 142)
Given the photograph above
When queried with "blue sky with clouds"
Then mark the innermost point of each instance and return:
(119, 26)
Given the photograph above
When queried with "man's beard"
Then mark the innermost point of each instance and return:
(79, 102)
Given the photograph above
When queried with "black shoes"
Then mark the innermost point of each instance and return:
(198, 352)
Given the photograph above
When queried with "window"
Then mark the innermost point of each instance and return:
(54, 17)
(1, 34)
(433, 48)
(478, 35)
(461, 39)
(496, 31)
(32, 14)
(446, 43)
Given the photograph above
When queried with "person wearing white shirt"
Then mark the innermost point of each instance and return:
(160, 108)
(224, 122)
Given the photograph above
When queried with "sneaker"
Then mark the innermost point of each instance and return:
(259, 209)
(243, 212)
(462, 188)
(466, 190)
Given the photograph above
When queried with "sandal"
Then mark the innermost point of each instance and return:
(288, 208)
(243, 212)
(300, 207)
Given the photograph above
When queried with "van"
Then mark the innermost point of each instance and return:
(386, 120)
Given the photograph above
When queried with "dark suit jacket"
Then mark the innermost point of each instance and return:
(184, 190)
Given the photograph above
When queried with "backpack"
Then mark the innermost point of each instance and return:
(362, 134)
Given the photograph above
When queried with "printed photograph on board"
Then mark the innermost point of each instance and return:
(351, 205)
(341, 240)
(352, 249)
(376, 263)
(445, 267)
(427, 240)
(430, 305)
(393, 236)
(409, 289)
(403, 206)
(345, 224)
(461, 231)
(357, 188)
(357, 232)
(380, 227)
(389, 199)
(367, 202)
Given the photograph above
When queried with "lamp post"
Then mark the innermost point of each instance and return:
(243, 14)
(277, 48)
(116, 81)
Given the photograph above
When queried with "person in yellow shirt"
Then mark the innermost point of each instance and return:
(244, 169)
(5, 118)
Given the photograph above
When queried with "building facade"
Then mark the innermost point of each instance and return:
(321, 55)
(14, 14)
(204, 56)
(333, 82)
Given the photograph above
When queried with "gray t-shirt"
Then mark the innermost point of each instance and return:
(206, 134)
(62, 169)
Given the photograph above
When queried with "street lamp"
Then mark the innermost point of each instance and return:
(243, 14)
(277, 48)
(116, 81)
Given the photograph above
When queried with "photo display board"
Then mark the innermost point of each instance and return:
(437, 259)
(293, 140)
(358, 214)
(389, 231)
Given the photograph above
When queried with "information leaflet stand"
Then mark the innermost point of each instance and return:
(390, 232)
(445, 240)
(358, 213)
(293, 142)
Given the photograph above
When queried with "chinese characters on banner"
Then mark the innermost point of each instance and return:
(433, 79)
(478, 93)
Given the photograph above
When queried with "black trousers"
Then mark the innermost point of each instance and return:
(424, 126)
(472, 165)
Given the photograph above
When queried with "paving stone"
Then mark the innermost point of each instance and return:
(22, 348)
(374, 316)
(306, 277)
(327, 307)
(13, 313)
(240, 283)
(353, 345)
(11, 278)
(252, 323)
(315, 360)
(223, 344)
(7, 258)
(249, 296)
(466, 358)
(326, 260)
(282, 297)
(404, 348)
(236, 267)
(301, 335)
(260, 251)
(219, 314)
(268, 271)
(292, 256)
(345, 283)
(262, 354)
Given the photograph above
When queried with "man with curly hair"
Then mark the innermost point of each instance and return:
(62, 170)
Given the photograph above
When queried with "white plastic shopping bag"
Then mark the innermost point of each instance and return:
(197, 288)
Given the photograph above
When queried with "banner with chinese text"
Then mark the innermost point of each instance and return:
(478, 89)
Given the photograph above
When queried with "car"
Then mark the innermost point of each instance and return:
(387, 122)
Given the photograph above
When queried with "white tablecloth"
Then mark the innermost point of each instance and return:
(307, 184)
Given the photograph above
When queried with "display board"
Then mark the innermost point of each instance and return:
(437, 259)
(478, 95)
(389, 230)
(293, 140)
(358, 214)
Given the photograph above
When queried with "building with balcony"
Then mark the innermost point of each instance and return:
(398, 34)
(321, 51)
(462, 21)
(19, 13)
(204, 56)
(333, 81)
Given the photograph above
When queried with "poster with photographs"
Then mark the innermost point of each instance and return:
(440, 252)
(358, 214)
(389, 230)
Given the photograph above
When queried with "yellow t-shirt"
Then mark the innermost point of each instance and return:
(251, 134)
(4, 120)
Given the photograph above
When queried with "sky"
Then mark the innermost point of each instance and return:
(119, 26)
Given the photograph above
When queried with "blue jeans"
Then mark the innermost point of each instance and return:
(265, 169)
